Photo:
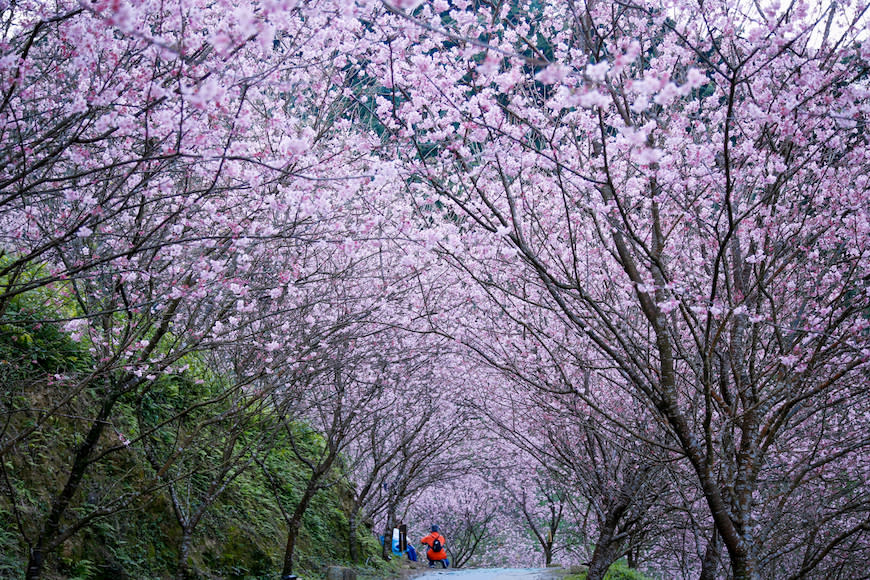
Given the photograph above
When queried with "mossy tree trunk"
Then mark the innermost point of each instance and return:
(184, 546)
(295, 524)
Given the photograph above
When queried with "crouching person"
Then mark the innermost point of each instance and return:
(437, 553)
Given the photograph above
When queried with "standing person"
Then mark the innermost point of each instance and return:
(437, 551)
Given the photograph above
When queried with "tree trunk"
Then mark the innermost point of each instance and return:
(293, 529)
(60, 504)
(353, 526)
(745, 568)
(605, 553)
(387, 548)
(35, 562)
(292, 536)
(183, 572)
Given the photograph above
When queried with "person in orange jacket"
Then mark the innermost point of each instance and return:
(436, 540)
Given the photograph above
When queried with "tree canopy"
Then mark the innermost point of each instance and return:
(595, 274)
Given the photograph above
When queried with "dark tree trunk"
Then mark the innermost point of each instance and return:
(606, 552)
(294, 525)
(51, 528)
(292, 536)
(35, 563)
(745, 568)
(387, 548)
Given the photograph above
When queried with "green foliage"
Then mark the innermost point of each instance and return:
(33, 354)
(243, 533)
(139, 543)
(31, 349)
(619, 570)
(10, 564)
(80, 569)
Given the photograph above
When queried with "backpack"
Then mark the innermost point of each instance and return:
(436, 545)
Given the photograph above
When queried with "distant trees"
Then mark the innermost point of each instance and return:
(582, 486)
(472, 516)
(405, 440)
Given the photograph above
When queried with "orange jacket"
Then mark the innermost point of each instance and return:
(442, 555)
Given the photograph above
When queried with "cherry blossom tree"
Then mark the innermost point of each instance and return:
(587, 483)
(441, 456)
(543, 505)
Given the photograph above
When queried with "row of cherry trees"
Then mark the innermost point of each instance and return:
(597, 271)
(675, 205)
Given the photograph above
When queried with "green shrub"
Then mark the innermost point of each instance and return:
(619, 570)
